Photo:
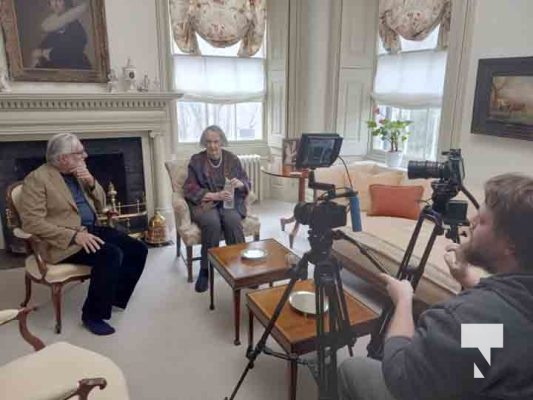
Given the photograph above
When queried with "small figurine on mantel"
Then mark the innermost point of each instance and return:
(4, 81)
(130, 76)
(156, 85)
(112, 83)
(145, 84)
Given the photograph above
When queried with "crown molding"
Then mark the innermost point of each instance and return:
(86, 101)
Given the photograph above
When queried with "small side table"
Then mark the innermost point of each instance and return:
(287, 171)
(240, 273)
(293, 331)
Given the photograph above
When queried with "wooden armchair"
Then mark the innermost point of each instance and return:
(54, 276)
(56, 372)
(187, 230)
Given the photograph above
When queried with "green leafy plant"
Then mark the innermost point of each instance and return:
(392, 131)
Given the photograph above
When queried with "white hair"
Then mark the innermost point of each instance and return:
(62, 143)
(216, 129)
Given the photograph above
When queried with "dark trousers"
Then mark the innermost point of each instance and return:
(116, 268)
(215, 221)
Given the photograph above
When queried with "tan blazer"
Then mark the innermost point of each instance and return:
(48, 211)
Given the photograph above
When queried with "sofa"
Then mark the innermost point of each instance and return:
(386, 237)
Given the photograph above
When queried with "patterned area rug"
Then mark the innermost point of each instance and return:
(10, 260)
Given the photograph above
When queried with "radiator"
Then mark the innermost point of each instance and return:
(252, 165)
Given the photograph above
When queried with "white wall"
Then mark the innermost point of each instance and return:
(131, 32)
(500, 29)
(314, 64)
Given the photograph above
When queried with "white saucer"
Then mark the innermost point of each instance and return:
(254, 254)
(304, 302)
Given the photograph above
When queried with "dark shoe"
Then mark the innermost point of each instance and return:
(202, 283)
(98, 327)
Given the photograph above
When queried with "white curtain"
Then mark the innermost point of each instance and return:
(410, 80)
(219, 79)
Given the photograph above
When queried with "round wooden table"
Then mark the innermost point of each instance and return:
(288, 171)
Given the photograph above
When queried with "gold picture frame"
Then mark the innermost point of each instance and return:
(60, 41)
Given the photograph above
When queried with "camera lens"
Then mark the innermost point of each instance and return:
(424, 169)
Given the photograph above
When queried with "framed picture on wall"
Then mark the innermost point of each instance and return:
(55, 40)
(503, 102)
(290, 149)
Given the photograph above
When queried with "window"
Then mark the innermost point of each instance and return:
(220, 88)
(409, 86)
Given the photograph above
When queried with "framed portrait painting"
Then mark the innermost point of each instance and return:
(290, 149)
(503, 102)
(55, 40)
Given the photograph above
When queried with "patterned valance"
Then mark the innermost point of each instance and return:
(221, 23)
(413, 20)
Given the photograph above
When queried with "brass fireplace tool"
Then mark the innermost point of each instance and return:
(157, 233)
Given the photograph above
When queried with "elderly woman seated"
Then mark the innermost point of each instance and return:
(215, 180)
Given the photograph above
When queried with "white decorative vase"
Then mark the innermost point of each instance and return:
(394, 159)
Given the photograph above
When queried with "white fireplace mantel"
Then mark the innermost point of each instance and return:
(37, 116)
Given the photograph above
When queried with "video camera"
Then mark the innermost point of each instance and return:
(451, 170)
(450, 175)
(314, 151)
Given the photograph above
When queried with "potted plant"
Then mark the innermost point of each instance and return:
(392, 131)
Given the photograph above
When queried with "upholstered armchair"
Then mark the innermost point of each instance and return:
(60, 371)
(187, 230)
(39, 271)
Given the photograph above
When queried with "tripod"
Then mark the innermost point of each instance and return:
(443, 212)
(328, 285)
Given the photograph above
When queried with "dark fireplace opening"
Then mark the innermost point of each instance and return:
(112, 160)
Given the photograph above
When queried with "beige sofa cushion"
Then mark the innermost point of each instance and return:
(387, 238)
(56, 369)
(362, 181)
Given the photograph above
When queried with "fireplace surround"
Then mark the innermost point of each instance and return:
(115, 118)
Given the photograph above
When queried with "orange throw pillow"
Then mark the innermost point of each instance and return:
(395, 201)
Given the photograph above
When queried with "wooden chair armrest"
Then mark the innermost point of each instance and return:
(84, 388)
(33, 242)
(22, 316)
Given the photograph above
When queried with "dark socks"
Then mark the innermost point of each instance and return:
(98, 326)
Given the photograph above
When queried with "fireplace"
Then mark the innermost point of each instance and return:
(32, 118)
(111, 160)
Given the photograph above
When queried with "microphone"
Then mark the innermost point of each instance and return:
(355, 213)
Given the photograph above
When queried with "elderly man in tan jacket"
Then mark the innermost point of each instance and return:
(60, 202)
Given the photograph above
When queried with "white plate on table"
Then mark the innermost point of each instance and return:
(254, 254)
(304, 302)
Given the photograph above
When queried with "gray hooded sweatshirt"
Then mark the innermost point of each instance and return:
(432, 365)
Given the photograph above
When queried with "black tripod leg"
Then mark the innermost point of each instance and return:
(344, 318)
(254, 353)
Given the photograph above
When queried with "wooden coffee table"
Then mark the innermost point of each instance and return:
(293, 331)
(241, 273)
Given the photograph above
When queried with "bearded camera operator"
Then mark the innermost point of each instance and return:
(427, 361)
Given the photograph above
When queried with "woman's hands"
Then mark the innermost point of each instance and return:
(218, 196)
(237, 184)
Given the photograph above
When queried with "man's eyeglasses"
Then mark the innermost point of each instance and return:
(80, 153)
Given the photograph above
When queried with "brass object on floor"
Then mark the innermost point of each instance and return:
(157, 233)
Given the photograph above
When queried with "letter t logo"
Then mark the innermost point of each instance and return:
(484, 337)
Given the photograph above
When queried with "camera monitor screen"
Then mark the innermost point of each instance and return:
(318, 150)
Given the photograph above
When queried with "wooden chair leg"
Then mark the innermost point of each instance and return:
(178, 244)
(27, 281)
(56, 299)
(189, 263)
